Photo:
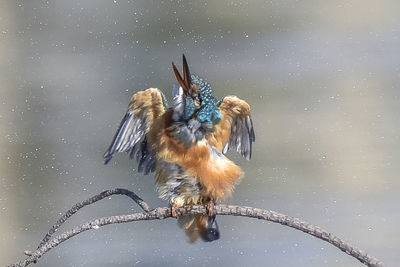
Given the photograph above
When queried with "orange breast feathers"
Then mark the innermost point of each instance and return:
(216, 173)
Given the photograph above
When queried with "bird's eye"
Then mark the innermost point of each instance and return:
(196, 101)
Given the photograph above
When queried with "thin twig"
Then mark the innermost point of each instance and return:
(162, 213)
(78, 206)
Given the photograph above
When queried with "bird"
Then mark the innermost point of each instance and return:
(185, 145)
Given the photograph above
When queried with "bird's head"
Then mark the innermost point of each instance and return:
(194, 98)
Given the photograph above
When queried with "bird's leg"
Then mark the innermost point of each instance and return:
(210, 207)
(174, 210)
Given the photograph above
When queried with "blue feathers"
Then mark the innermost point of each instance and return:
(216, 116)
(208, 110)
(190, 108)
(209, 113)
(196, 115)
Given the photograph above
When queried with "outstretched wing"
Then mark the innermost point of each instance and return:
(235, 130)
(144, 108)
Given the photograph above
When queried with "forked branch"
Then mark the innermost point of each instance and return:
(78, 206)
(165, 212)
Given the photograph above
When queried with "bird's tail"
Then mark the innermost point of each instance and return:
(203, 226)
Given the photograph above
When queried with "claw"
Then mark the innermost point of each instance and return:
(174, 210)
(210, 208)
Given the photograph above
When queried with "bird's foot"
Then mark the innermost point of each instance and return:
(210, 208)
(174, 210)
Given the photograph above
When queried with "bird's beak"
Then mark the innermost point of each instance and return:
(186, 82)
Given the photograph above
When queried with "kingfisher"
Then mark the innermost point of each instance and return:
(185, 145)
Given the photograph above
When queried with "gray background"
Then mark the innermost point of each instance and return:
(323, 83)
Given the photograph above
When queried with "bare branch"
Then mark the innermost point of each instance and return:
(78, 206)
(162, 213)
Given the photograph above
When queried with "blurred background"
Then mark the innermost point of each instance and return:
(322, 79)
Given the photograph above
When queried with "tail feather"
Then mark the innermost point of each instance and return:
(202, 226)
(211, 232)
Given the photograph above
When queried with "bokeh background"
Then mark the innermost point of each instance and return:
(322, 78)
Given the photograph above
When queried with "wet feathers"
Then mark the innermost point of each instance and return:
(185, 144)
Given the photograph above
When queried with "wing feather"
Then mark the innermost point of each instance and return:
(235, 130)
(144, 108)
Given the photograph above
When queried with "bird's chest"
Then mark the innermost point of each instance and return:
(215, 174)
(176, 185)
(180, 177)
(182, 143)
